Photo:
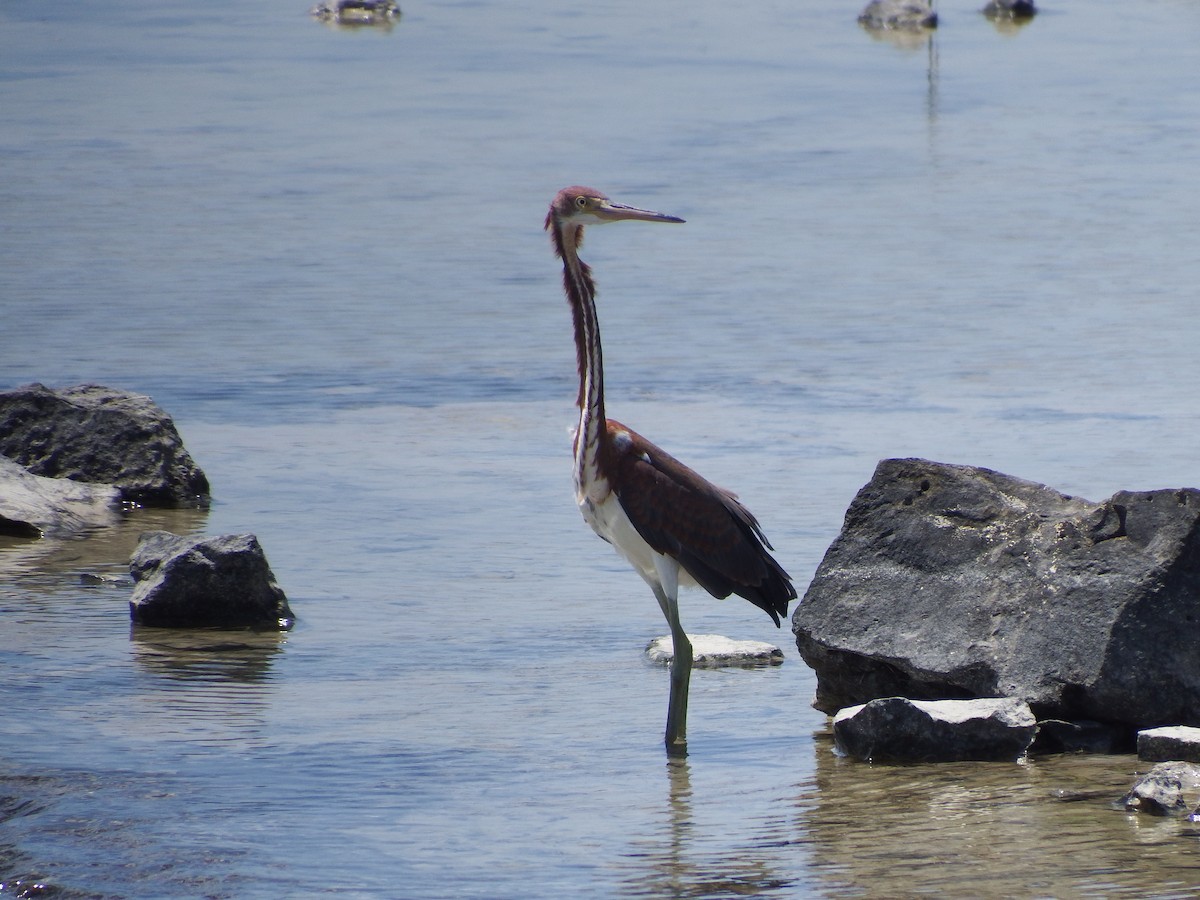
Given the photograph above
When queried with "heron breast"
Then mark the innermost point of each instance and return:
(610, 521)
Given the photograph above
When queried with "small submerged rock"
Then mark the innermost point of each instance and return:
(357, 12)
(198, 582)
(1010, 9)
(1168, 789)
(715, 651)
(903, 15)
(96, 579)
(897, 729)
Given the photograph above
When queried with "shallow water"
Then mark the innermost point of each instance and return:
(321, 252)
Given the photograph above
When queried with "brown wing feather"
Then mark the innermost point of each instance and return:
(681, 514)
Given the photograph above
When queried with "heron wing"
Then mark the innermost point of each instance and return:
(681, 514)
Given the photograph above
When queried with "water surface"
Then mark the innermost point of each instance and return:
(321, 251)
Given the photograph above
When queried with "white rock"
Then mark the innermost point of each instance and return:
(1171, 742)
(31, 505)
(714, 651)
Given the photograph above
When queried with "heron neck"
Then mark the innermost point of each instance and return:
(581, 292)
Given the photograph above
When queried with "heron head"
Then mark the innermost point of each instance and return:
(588, 206)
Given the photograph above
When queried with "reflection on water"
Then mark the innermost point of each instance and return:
(1008, 18)
(1043, 828)
(207, 654)
(100, 552)
(684, 861)
(1009, 26)
(913, 40)
(321, 252)
(208, 687)
(907, 39)
(1047, 827)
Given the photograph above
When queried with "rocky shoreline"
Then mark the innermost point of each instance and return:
(960, 614)
(76, 459)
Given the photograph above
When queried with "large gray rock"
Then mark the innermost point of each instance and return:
(956, 582)
(194, 582)
(33, 507)
(901, 730)
(96, 434)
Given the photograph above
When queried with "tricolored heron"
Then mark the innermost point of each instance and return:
(673, 526)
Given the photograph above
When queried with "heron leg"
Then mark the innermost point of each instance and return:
(681, 674)
(667, 594)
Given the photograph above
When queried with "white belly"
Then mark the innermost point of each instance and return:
(609, 520)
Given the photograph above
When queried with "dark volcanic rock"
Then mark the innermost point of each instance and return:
(901, 730)
(191, 582)
(954, 582)
(96, 434)
(1058, 736)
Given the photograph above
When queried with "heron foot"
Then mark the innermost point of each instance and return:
(677, 749)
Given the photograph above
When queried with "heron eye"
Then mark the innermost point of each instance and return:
(581, 202)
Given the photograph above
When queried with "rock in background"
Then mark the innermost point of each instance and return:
(957, 582)
(191, 582)
(95, 434)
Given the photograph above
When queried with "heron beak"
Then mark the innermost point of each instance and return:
(618, 212)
